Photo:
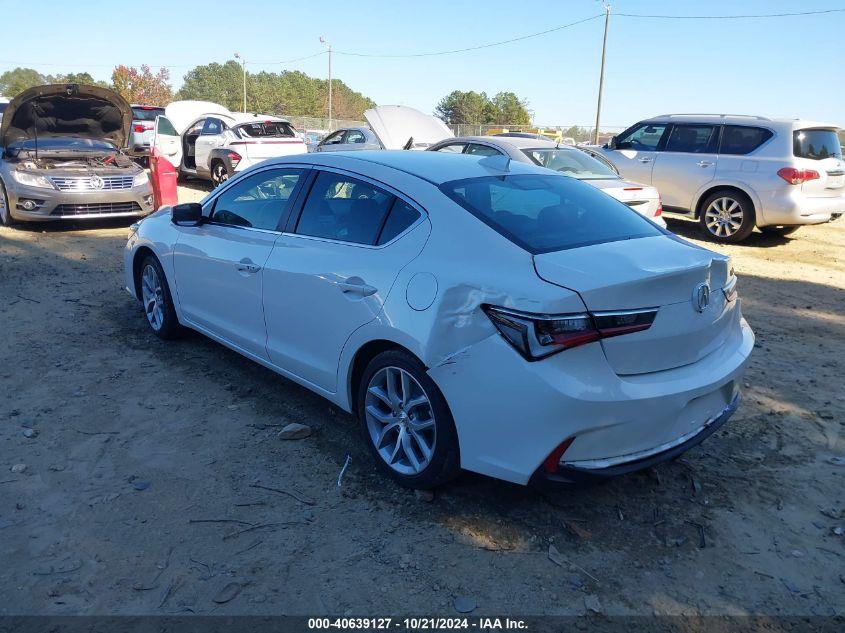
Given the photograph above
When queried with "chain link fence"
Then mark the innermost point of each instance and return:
(563, 133)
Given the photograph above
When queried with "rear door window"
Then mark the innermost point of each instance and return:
(816, 144)
(693, 139)
(345, 209)
(741, 139)
(402, 215)
(482, 150)
(453, 148)
(645, 137)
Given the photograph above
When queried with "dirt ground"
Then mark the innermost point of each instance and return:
(139, 493)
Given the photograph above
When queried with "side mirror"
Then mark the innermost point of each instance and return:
(188, 214)
(611, 144)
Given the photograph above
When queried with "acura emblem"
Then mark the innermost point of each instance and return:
(701, 297)
(96, 182)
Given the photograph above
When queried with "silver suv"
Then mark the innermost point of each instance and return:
(732, 173)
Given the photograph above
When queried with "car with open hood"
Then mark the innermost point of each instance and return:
(63, 156)
(206, 140)
(390, 127)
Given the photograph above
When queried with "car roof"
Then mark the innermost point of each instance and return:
(240, 117)
(520, 142)
(435, 167)
(739, 119)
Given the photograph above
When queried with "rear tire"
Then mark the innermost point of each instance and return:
(156, 299)
(779, 230)
(406, 422)
(219, 173)
(727, 216)
(6, 218)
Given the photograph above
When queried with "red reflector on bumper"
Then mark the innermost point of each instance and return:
(550, 464)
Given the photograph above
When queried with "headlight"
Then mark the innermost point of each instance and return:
(140, 179)
(32, 180)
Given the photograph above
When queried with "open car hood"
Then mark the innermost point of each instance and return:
(62, 110)
(396, 125)
(182, 113)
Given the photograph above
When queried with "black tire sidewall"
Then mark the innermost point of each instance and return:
(445, 464)
(170, 325)
(214, 165)
(5, 220)
(748, 216)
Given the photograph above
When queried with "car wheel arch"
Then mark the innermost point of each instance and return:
(362, 357)
(712, 188)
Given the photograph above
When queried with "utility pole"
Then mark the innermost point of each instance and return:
(243, 62)
(329, 46)
(601, 74)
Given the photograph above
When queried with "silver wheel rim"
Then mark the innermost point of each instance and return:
(152, 296)
(723, 217)
(400, 420)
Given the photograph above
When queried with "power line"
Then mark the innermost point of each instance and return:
(471, 48)
(730, 17)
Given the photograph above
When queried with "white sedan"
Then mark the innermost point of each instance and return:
(470, 313)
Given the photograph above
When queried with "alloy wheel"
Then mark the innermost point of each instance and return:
(152, 296)
(723, 217)
(400, 420)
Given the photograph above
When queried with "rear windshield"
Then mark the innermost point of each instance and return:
(816, 144)
(146, 113)
(571, 162)
(266, 129)
(544, 213)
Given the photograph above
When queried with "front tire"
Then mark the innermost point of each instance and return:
(727, 216)
(156, 299)
(406, 422)
(219, 173)
(779, 230)
(5, 212)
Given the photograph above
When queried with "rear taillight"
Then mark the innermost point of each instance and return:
(797, 176)
(536, 336)
(659, 211)
(234, 158)
(140, 129)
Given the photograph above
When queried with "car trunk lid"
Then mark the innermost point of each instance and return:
(643, 199)
(654, 272)
(397, 127)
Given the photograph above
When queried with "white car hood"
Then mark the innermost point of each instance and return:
(396, 125)
(182, 113)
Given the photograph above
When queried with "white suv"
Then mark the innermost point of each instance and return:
(732, 173)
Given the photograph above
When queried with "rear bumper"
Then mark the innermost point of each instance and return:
(511, 414)
(793, 208)
(574, 473)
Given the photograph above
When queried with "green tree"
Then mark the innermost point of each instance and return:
(78, 78)
(464, 107)
(508, 109)
(289, 92)
(15, 81)
(140, 85)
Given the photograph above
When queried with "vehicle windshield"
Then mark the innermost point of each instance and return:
(62, 144)
(266, 129)
(571, 162)
(816, 144)
(146, 113)
(544, 213)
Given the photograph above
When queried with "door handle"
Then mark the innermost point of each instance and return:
(362, 289)
(704, 163)
(645, 159)
(247, 267)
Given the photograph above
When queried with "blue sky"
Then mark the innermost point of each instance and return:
(778, 67)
